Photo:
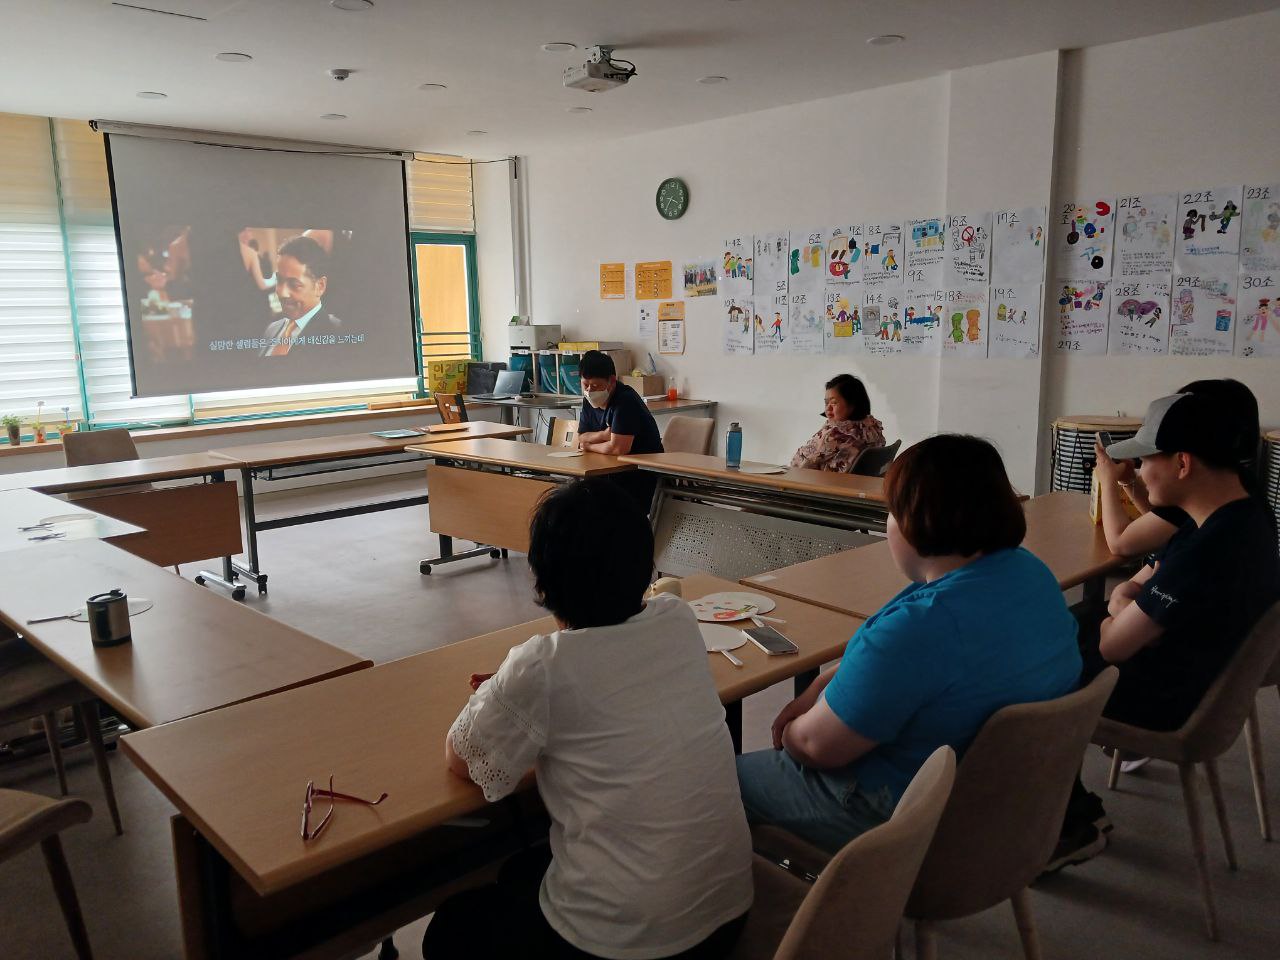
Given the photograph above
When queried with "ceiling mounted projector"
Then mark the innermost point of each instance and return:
(601, 71)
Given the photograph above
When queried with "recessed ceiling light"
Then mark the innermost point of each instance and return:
(151, 95)
(886, 39)
(476, 133)
(578, 109)
(432, 86)
(559, 46)
(333, 116)
(355, 6)
(711, 80)
(233, 57)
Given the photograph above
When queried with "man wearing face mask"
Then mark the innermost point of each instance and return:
(615, 420)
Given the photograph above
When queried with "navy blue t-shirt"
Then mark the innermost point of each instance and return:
(626, 414)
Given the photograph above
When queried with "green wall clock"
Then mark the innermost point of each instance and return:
(672, 198)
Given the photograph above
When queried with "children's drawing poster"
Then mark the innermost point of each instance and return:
(807, 261)
(882, 254)
(882, 323)
(1139, 316)
(1203, 315)
(1258, 315)
(1082, 235)
(1017, 246)
(926, 250)
(807, 314)
(922, 313)
(844, 255)
(1260, 230)
(1208, 238)
(736, 267)
(1081, 324)
(964, 323)
(771, 322)
(646, 323)
(968, 250)
(1014, 321)
(1144, 236)
(842, 328)
(700, 279)
(736, 321)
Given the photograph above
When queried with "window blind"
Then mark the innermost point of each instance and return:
(37, 338)
(440, 194)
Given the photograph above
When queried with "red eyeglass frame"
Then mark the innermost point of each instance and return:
(313, 791)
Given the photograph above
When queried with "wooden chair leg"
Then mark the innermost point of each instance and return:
(66, 892)
(1220, 808)
(1253, 739)
(926, 941)
(1114, 776)
(50, 721)
(1021, 904)
(1187, 772)
(93, 729)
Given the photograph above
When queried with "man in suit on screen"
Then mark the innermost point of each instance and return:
(302, 277)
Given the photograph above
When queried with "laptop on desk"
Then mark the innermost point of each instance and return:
(508, 386)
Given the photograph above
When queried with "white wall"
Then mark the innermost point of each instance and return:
(491, 185)
(1173, 111)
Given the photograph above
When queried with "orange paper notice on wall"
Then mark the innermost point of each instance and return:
(653, 280)
(671, 310)
(613, 281)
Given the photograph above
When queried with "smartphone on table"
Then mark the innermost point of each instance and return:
(770, 641)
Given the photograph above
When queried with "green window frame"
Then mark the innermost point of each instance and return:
(467, 340)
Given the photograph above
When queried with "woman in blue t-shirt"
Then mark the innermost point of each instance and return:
(982, 625)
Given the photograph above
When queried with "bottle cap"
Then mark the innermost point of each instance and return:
(733, 425)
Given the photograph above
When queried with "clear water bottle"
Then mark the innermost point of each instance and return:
(733, 447)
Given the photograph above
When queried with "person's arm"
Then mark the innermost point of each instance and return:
(1127, 592)
(596, 436)
(457, 766)
(800, 705)
(1149, 533)
(1111, 474)
(821, 740)
(616, 444)
(1126, 633)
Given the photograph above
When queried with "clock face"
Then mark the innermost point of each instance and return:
(673, 198)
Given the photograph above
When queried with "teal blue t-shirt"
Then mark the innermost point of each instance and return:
(939, 658)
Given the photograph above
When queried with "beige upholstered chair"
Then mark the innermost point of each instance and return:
(31, 685)
(1253, 739)
(564, 432)
(853, 909)
(1207, 734)
(1013, 782)
(874, 461)
(687, 434)
(100, 446)
(28, 818)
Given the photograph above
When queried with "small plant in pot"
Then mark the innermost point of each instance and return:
(14, 427)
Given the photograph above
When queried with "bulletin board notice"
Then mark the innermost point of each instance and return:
(653, 280)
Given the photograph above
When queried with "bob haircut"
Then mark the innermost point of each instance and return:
(591, 551)
(950, 495)
(854, 393)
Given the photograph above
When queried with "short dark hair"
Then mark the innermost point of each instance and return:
(596, 363)
(308, 252)
(1237, 409)
(854, 394)
(591, 551)
(950, 495)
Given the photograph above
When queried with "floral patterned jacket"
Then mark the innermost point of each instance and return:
(836, 446)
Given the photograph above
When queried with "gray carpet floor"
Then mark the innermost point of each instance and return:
(355, 583)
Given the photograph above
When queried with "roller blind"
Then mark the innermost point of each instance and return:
(440, 195)
(37, 337)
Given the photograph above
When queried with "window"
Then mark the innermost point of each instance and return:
(62, 322)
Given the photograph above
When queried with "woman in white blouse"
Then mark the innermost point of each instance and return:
(650, 855)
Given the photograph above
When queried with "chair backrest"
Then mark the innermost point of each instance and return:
(874, 461)
(688, 434)
(98, 446)
(27, 818)
(1005, 813)
(855, 906)
(1216, 722)
(564, 432)
(451, 408)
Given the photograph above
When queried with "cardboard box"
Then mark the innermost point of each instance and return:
(649, 385)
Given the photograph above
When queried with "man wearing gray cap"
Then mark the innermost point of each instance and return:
(1172, 628)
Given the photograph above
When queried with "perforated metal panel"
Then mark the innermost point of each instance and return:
(1271, 474)
(697, 537)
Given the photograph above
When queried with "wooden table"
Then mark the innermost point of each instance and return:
(180, 524)
(513, 406)
(284, 458)
(486, 490)
(861, 581)
(237, 775)
(734, 523)
(193, 651)
(27, 508)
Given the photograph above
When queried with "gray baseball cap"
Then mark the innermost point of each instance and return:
(1179, 423)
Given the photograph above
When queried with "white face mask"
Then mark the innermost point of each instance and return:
(597, 398)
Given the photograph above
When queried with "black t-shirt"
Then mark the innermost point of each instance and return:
(1174, 515)
(1211, 585)
(626, 414)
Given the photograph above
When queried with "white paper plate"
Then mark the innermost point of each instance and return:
(730, 606)
(716, 637)
(137, 605)
(761, 469)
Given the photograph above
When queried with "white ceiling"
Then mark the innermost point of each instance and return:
(88, 59)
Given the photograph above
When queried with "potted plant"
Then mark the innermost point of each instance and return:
(38, 428)
(14, 426)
